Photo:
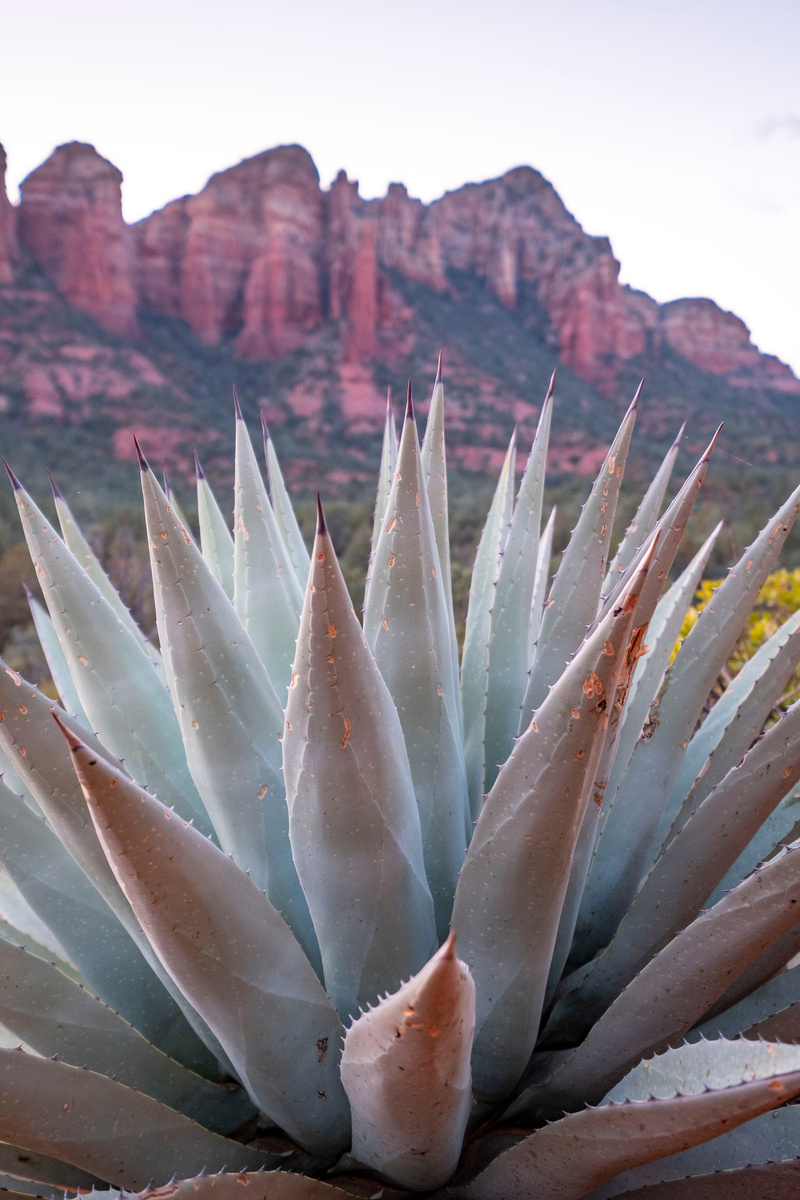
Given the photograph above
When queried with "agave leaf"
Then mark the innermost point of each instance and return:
(216, 539)
(385, 474)
(408, 629)
(64, 1112)
(120, 690)
(266, 593)
(771, 1011)
(56, 1016)
(630, 828)
(512, 885)
(229, 951)
(27, 725)
(511, 607)
(662, 634)
(405, 1068)
(433, 466)
(229, 714)
(268, 1185)
(22, 1166)
(284, 512)
(689, 866)
(475, 659)
(683, 1177)
(353, 819)
(760, 1141)
(727, 732)
(680, 984)
(644, 521)
(743, 1081)
(22, 925)
(782, 827)
(93, 940)
(541, 583)
(83, 553)
(574, 596)
(54, 656)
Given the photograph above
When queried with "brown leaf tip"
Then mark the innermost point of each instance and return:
(438, 378)
(144, 466)
(409, 404)
(236, 409)
(198, 468)
(56, 490)
(322, 524)
(74, 743)
(15, 483)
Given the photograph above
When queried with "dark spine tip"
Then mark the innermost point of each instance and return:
(322, 524)
(74, 743)
(264, 427)
(409, 404)
(388, 402)
(638, 396)
(28, 591)
(438, 378)
(15, 483)
(57, 495)
(551, 387)
(143, 463)
(198, 468)
(237, 410)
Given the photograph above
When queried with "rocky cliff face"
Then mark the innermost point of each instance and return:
(70, 221)
(8, 228)
(263, 255)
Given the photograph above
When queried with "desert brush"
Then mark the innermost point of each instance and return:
(307, 905)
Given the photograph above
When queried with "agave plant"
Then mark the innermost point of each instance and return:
(306, 905)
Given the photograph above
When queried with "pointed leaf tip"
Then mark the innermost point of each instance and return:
(438, 378)
(198, 468)
(15, 483)
(236, 409)
(56, 490)
(551, 386)
(409, 404)
(264, 428)
(322, 524)
(143, 463)
(712, 443)
(73, 742)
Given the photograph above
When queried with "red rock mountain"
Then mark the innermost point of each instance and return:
(264, 255)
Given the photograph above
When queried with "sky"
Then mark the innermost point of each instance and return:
(670, 126)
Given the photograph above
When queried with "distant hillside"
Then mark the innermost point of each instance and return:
(315, 301)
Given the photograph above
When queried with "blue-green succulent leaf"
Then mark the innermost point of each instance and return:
(689, 867)
(681, 983)
(513, 882)
(229, 714)
(284, 512)
(405, 1068)
(433, 465)
(629, 830)
(475, 659)
(216, 538)
(408, 629)
(229, 951)
(662, 635)
(354, 822)
(93, 940)
(645, 519)
(83, 553)
(575, 593)
(386, 472)
(771, 1012)
(56, 661)
(66, 1112)
(541, 583)
(511, 607)
(22, 1168)
(762, 1140)
(263, 1185)
(56, 1016)
(27, 725)
(571, 1157)
(122, 694)
(727, 732)
(266, 592)
(782, 827)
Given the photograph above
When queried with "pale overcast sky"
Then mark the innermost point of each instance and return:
(672, 126)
